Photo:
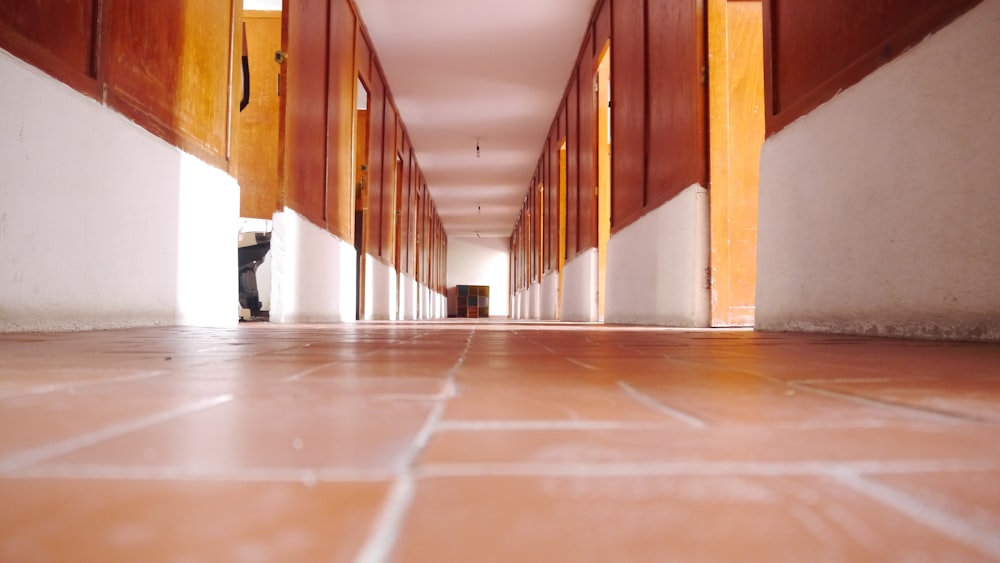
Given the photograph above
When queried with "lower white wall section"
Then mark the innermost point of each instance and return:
(313, 276)
(102, 224)
(535, 301)
(656, 267)
(879, 210)
(579, 296)
(550, 297)
(380, 292)
(408, 298)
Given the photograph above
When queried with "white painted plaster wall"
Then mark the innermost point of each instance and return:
(550, 297)
(408, 298)
(102, 224)
(380, 292)
(656, 266)
(535, 297)
(482, 261)
(263, 5)
(579, 298)
(880, 210)
(313, 273)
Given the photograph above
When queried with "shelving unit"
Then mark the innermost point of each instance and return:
(469, 301)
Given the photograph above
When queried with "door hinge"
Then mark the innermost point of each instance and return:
(704, 74)
(708, 278)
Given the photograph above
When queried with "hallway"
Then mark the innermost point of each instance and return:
(495, 441)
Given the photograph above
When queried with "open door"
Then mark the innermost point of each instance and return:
(736, 122)
(361, 127)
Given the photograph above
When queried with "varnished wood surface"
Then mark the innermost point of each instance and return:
(737, 132)
(815, 49)
(257, 125)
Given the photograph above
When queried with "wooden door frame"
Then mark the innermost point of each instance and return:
(729, 306)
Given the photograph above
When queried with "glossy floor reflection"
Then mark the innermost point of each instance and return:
(495, 441)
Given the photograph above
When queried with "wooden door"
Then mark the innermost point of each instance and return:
(737, 133)
(257, 125)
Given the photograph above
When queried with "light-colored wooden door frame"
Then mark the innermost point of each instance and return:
(602, 154)
(736, 132)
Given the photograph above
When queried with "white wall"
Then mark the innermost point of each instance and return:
(482, 261)
(656, 267)
(102, 224)
(263, 5)
(880, 211)
(313, 273)
(579, 295)
(550, 297)
(380, 290)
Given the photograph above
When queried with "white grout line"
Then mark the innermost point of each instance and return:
(385, 532)
(701, 469)
(304, 373)
(842, 380)
(489, 425)
(30, 457)
(929, 412)
(581, 364)
(659, 406)
(985, 540)
(96, 472)
(79, 384)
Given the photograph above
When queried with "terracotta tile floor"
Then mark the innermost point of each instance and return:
(495, 441)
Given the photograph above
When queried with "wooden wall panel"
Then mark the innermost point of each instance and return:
(340, 121)
(405, 240)
(306, 109)
(377, 103)
(56, 35)
(555, 142)
(602, 27)
(167, 66)
(389, 153)
(815, 49)
(572, 169)
(257, 125)
(364, 59)
(587, 139)
(628, 100)
(677, 99)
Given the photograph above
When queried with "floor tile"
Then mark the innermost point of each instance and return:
(101, 521)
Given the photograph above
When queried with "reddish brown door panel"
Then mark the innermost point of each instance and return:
(306, 109)
(377, 103)
(628, 100)
(555, 140)
(58, 36)
(677, 98)
(587, 175)
(602, 27)
(167, 67)
(572, 168)
(364, 58)
(340, 122)
(814, 49)
(389, 151)
(404, 209)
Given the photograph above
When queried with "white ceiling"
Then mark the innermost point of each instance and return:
(462, 70)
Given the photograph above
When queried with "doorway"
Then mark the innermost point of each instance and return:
(361, 126)
(398, 236)
(562, 223)
(736, 133)
(602, 94)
